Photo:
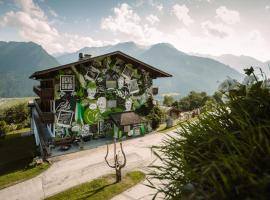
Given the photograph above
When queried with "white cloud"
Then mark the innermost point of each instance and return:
(53, 13)
(33, 25)
(125, 21)
(128, 23)
(267, 7)
(217, 39)
(228, 16)
(159, 7)
(152, 19)
(181, 12)
(216, 30)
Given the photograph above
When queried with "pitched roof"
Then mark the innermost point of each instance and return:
(126, 118)
(154, 72)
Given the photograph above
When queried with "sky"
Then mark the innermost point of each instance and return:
(239, 27)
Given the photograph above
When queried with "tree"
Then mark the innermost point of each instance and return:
(168, 100)
(193, 100)
(156, 116)
(117, 164)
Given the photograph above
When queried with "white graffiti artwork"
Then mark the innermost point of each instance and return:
(91, 92)
(65, 105)
(85, 130)
(76, 128)
(67, 83)
(92, 106)
(101, 103)
(65, 118)
(92, 74)
(121, 82)
(128, 104)
(133, 86)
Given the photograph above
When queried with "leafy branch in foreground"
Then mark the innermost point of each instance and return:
(225, 154)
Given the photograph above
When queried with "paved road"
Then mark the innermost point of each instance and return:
(73, 169)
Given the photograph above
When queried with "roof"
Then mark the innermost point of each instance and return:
(126, 118)
(168, 109)
(152, 70)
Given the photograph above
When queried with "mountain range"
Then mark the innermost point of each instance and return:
(18, 60)
(241, 62)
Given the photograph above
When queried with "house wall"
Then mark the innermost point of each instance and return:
(85, 95)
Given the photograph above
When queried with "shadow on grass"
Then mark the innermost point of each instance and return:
(94, 192)
(16, 153)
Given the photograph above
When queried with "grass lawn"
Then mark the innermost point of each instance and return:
(19, 131)
(16, 153)
(21, 175)
(9, 102)
(162, 128)
(103, 188)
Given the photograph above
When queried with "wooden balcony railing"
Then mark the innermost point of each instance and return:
(44, 93)
(45, 116)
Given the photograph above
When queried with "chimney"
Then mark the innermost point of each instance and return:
(87, 56)
(80, 56)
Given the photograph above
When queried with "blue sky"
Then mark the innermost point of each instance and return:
(200, 26)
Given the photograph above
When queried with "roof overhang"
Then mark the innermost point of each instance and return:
(154, 72)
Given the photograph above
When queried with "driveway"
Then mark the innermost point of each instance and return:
(73, 169)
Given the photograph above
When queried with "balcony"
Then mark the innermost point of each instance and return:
(44, 93)
(45, 116)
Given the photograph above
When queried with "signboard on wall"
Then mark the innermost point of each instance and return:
(65, 118)
(67, 83)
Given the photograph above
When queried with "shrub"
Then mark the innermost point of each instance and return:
(224, 154)
(3, 128)
(17, 115)
(192, 101)
(156, 116)
(168, 100)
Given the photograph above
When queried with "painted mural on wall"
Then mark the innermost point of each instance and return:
(86, 95)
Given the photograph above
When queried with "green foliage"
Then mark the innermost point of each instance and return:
(14, 118)
(4, 128)
(168, 100)
(192, 101)
(225, 154)
(146, 108)
(156, 116)
(16, 114)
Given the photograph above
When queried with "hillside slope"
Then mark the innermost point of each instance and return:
(18, 60)
(189, 72)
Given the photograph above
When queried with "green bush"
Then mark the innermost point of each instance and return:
(16, 117)
(192, 101)
(224, 154)
(16, 114)
(4, 128)
(156, 116)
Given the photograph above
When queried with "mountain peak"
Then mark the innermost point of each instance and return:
(165, 48)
